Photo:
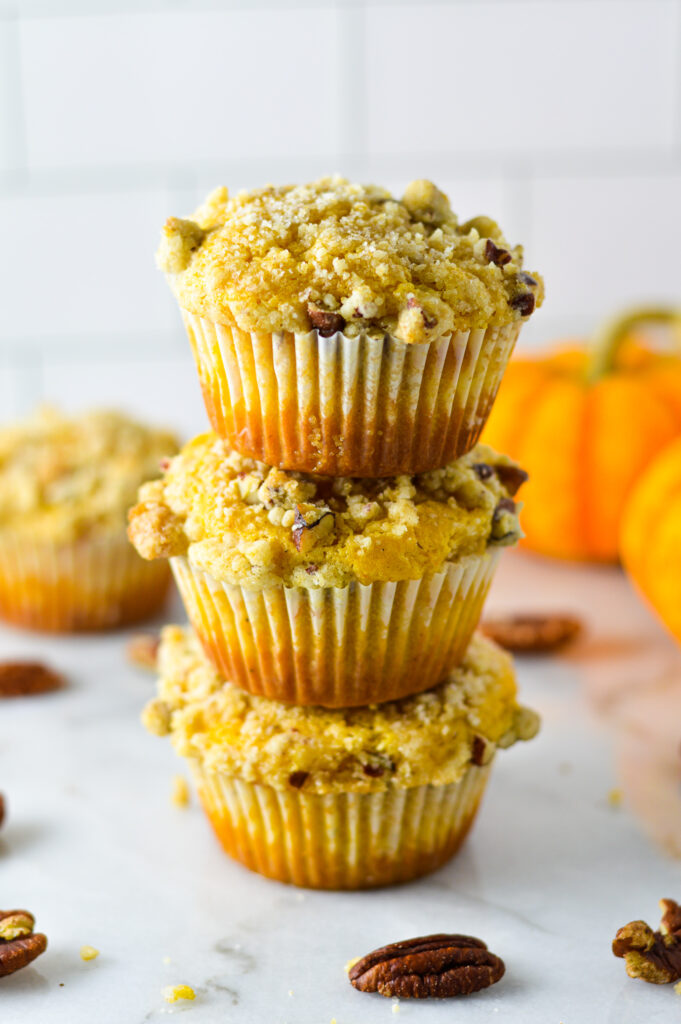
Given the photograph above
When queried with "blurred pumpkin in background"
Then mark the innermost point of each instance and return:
(650, 540)
(585, 420)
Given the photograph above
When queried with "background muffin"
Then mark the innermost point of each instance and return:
(65, 485)
(306, 795)
(339, 330)
(329, 591)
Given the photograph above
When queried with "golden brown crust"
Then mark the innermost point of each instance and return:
(247, 524)
(279, 258)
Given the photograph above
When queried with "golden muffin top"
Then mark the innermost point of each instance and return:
(429, 738)
(336, 256)
(64, 477)
(247, 524)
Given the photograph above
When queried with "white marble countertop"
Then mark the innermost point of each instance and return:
(95, 848)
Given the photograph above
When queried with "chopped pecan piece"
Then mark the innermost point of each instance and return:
(435, 966)
(25, 678)
(325, 320)
(19, 945)
(142, 649)
(428, 321)
(527, 279)
(482, 470)
(495, 254)
(523, 302)
(652, 956)
(528, 633)
(311, 527)
(482, 751)
(298, 779)
(512, 477)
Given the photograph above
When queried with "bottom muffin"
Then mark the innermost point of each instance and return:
(339, 798)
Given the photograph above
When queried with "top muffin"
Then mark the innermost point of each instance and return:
(62, 478)
(338, 256)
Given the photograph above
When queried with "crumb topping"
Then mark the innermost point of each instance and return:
(248, 524)
(429, 738)
(337, 256)
(63, 477)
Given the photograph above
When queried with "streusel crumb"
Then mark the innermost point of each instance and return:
(340, 256)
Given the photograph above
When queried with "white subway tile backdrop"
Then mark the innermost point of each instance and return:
(561, 118)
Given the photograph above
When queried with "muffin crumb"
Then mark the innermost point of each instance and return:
(180, 792)
(174, 993)
(88, 953)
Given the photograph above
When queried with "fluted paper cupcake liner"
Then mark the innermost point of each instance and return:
(340, 840)
(89, 584)
(338, 647)
(349, 406)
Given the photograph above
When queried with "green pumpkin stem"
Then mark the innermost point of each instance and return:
(607, 340)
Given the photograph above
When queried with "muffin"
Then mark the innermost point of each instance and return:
(65, 484)
(339, 330)
(345, 798)
(339, 592)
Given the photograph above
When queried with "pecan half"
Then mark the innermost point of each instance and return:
(24, 678)
(19, 945)
(495, 254)
(142, 649)
(652, 956)
(435, 966)
(325, 320)
(530, 633)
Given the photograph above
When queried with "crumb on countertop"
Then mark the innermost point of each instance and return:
(173, 993)
(88, 953)
(180, 792)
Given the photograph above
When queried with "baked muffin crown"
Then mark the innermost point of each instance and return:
(430, 738)
(64, 477)
(247, 524)
(338, 256)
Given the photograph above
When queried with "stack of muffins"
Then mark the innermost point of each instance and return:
(335, 537)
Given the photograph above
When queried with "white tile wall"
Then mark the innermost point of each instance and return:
(82, 265)
(181, 87)
(521, 77)
(9, 123)
(162, 390)
(562, 118)
(607, 242)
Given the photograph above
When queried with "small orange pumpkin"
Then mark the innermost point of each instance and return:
(650, 540)
(585, 421)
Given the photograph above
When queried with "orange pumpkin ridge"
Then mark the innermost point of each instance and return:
(585, 423)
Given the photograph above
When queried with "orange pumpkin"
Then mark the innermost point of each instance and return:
(585, 421)
(650, 541)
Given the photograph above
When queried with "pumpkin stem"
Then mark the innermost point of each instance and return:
(608, 339)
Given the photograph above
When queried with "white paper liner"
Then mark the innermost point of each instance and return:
(340, 840)
(94, 583)
(349, 406)
(338, 647)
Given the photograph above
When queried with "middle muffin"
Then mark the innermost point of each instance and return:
(331, 591)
